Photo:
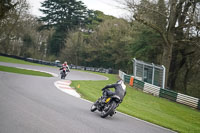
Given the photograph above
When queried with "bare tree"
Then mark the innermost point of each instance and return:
(9, 24)
(6, 6)
(177, 22)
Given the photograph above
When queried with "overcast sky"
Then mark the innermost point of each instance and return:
(109, 7)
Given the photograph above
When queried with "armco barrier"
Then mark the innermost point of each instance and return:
(138, 84)
(157, 91)
(127, 78)
(13, 56)
(151, 89)
(121, 75)
(171, 95)
(199, 104)
(187, 100)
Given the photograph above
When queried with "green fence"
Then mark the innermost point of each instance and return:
(199, 105)
(127, 78)
(138, 84)
(171, 95)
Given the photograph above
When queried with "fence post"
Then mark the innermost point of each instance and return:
(163, 84)
(142, 72)
(153, 74)
(134, 66)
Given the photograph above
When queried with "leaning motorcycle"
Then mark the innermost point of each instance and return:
(106, 105)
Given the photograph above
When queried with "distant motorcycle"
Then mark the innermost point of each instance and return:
(106, 105)
(63, 72)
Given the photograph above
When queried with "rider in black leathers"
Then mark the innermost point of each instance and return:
(120, 89)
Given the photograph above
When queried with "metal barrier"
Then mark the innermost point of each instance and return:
(138, 84)
(127, 78)
(160, 92)
(199, 105)
(121, 75)
(151, 89)
(150, 73)
(187, 100)
(171, 95)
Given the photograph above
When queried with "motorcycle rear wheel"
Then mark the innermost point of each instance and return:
(108, 110)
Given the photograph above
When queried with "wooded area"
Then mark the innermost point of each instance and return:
(165, 32)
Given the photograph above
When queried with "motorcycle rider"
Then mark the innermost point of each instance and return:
(64, 69)
(64, 65)
(103, 105)
(120, 89)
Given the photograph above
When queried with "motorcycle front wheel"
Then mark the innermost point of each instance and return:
(93, 108)
(63, 75)
(108, 109)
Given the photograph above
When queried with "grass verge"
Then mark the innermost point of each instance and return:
(24, 71)
(17, 61)
(156, 110)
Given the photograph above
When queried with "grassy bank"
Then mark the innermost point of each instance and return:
(147, 107)
(17, 61)
(24, 71)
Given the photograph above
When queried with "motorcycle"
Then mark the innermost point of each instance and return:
(63, 72)
(106, 105)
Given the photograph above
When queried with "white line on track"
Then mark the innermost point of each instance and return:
(63, 85)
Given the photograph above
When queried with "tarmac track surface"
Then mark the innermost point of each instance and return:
(32, 104)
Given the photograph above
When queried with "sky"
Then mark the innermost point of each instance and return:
(109, 7)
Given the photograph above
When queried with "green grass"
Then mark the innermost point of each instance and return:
(17, 61)
(24, 71)
(156, 110)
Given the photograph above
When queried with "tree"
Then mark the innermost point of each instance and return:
(10, 25)
(147, 44)
(177, 24)
(33, 40)
(109, 45)
(97, 19)
(5, 7)
(63, 16)
(74, 48)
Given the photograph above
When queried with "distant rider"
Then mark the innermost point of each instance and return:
(120, 89)
(64, 65)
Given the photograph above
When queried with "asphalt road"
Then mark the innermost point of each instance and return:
(32, 104)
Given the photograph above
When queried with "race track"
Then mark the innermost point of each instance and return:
(32, 104)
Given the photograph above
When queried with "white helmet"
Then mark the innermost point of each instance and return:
(122, 83)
